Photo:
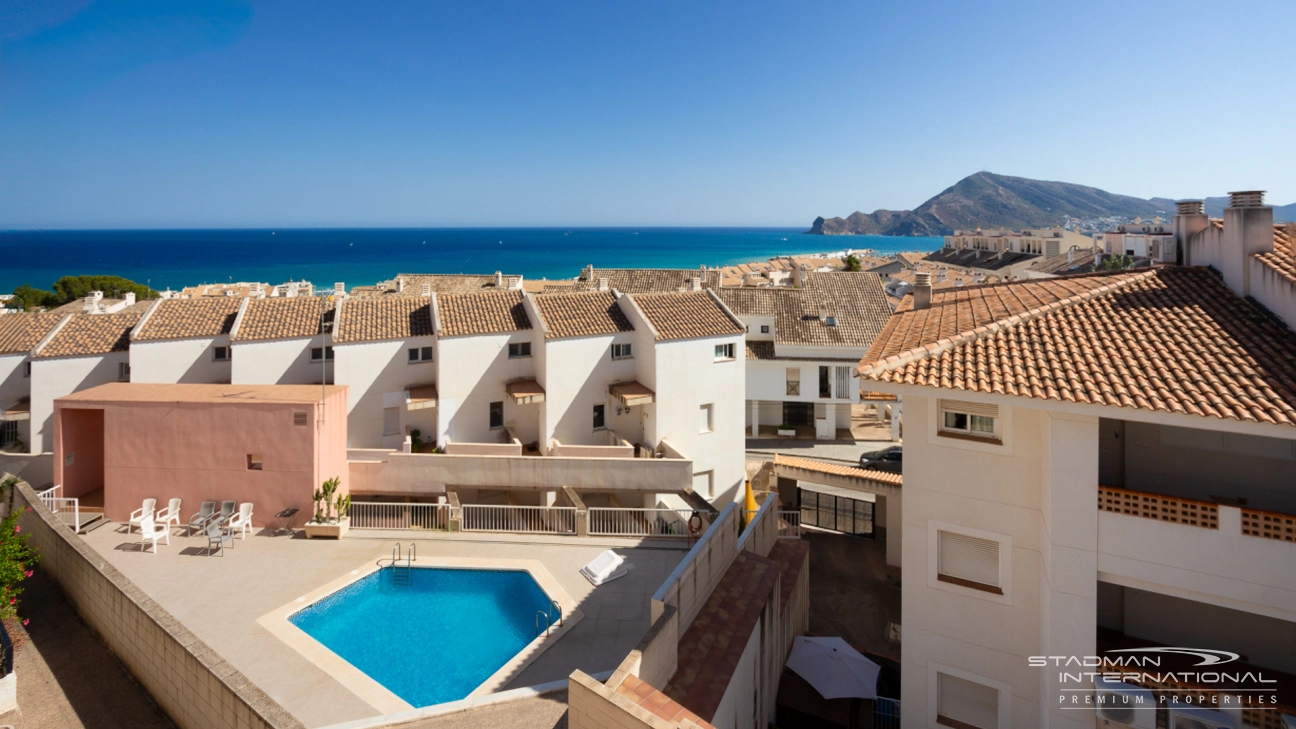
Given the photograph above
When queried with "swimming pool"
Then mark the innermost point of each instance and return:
(433, 640)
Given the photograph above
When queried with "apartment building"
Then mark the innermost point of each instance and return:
(1004, 252)
(1139, 239)
(185, 341)
(19, 334)
(281, 341)
(1096, 465)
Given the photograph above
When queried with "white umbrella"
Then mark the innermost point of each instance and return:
(836, 670)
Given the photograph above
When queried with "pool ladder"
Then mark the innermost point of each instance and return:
(401, 574)
(548, 618)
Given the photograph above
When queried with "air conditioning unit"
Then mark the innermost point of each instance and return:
(1192, 718)
(1124, 705)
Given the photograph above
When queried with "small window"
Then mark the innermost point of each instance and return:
(26, 369)
(414, 354)
(220, 354)
(519, 349)
(961, 419)
(8, 432)
(420, 354)
(764, 328)
(724, 351)
(254, 462)
(299, 418)
(599, 412)
(794, 381)
(825, 382)
(123, 371)
(321, 353)
(962, 703)
(706, 424)
(391, 420)
(621, 351)
(968, 561)
(843, 382)
(497, 414)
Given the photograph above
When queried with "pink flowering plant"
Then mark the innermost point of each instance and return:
(16, 557)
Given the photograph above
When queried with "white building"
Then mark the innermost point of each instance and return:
(1004, 252)
(281, 341)
(1100, 463)
(1138, 239)
(19, 334)
(185, 341)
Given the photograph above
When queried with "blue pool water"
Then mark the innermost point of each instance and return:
(434, 640)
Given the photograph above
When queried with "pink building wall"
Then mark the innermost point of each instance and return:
(198, 451)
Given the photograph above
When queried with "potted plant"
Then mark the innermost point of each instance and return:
(786, 429)
(416, 440)
(330, 518)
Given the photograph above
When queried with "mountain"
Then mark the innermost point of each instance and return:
(992, 201)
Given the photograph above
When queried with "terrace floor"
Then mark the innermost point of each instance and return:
(221, 598)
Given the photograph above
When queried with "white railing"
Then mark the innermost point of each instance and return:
(519, 519)
(645, 522)
(376, 515)
(67, 510)
(789, 525)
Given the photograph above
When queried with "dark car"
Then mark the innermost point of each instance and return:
(887, 459)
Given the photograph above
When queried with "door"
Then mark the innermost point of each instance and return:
(798, 413)
(1111, 452)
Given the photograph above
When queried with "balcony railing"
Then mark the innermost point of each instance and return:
(614, 522)
(1269, 525)
(1160, 507)
(519, 519)
(789, 525)
(377, 515)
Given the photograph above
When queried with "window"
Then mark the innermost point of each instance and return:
(705, 422)
(825, 381)
(843, 383)
(220, 354)
(794, 381)
(391, 419)
(973, 420)
(764, 328)
(420, 354)
(299, 418)
(123, 372)
(724, 351)
(599, 412)
(26, 369)
(519, 349)
(621, 351)
(968, 561)
(319, 354)
(965, 704)
(497, 414)
(8, 432)
(254, 462)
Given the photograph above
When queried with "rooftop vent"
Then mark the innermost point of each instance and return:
(1247, 199)
(831, 321)
(425, 289)
(922, 291)
(499, 279)
(695, 284)
(602, 283)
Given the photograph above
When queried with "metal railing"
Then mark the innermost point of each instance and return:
(380, 515)
(68, 510)
(519, 519)
(886, 713)
(605, 521)
(789, 525)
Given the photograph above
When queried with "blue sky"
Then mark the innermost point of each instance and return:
(133, 113)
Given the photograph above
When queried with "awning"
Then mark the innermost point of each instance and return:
(420, 397)
(632, 393)
(21, 411)
(870, 396)
(525, 391)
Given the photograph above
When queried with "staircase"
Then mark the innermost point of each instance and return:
(80, 518)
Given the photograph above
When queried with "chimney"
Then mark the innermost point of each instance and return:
(823, 312)
(1071, 255)
(922, 291)
(400, 284)
(695, 284)
(425, 290)
(603, 283)
(1189, 220)
(499, 280)
(1248, 230)
(588, 273)
(129, 298)
(798, 275)
(339, 289)
(92, 302)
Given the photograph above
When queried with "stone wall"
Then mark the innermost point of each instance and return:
(195, 686)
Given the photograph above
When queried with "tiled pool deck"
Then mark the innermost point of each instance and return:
(221, 598)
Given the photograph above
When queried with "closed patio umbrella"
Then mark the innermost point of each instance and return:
(836, 670)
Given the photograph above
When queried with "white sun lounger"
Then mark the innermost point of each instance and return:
(604, 568)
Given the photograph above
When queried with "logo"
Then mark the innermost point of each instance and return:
(1208, 656)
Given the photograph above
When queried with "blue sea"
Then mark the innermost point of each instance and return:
(179, 258)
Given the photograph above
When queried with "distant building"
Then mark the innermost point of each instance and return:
(1154, 240)
(1005, 252)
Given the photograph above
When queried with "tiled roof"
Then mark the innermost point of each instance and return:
(1171, 340)
(764, 349)
(484, 313)
(22, 332)
(289, 317)
(1061, 264)
(1283, 257)
(710, 649)
(647, 280)
(972, 258)
(835, 469)
(581, 315)
(87, 334)
(381, 318)
(449, 283)
(642, 693)
(792, 554)
(856, 301)
(687, 315)
(911, 258)
(188, 318)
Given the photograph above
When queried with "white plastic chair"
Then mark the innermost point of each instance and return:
(150, 530)
(170, 514)
(140, 514)
(242, 522)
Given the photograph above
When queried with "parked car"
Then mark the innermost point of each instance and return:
(887, 459)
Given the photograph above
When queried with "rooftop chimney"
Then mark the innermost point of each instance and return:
(129, 298)
(1248, 230)
(823, 312)
(339, 288)
(603, 283)
(1190, 207)
(499, 280)
(1071, 255)
(695, 284)
(588, 273)
(1247, 199)
(425, 289)
(798, 275)
(922, 291)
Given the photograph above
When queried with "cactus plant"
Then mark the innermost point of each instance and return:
(343, 506)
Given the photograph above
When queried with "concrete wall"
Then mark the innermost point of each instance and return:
(189, 681)
(376, 375)
(423, 473)
(179, 361)
(473, 375)
(696, 576)
(576, 378)
(53, 378)
(1274, 292)
(278, 362)
(36, 469)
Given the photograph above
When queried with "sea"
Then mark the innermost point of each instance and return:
(178, 258)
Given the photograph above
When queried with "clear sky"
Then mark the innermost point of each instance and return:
(141, 113)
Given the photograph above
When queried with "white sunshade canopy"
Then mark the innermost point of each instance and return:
(836, 670)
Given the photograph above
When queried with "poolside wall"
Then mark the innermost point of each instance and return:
(761, 534)
(194, 686)
(692, 582)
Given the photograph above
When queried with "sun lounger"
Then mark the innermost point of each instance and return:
(604, 568)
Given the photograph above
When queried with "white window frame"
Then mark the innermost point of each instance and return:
(325, 354)
(971, 411)
(725, 352)
(519, 346)
(706, 418)
(391, 421)
(1005, 562)
(419, 355)
(765, 328)
(622, 351)
(933, 692)
(216, 351)
(1002, 446)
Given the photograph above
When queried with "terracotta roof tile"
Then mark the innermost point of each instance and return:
(1283, 257)
(189, 318)
(1171, 340)
(856, 301)
(643, 694)
(687, 315)
(383, 318)
(794, 555)
(449, 283)
(581, 315)
(835, 469)
(289, 317)
(648, 280)
(484, 313)
(1060, 264)
(764, 350)
(22, 332)
(87, 334)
